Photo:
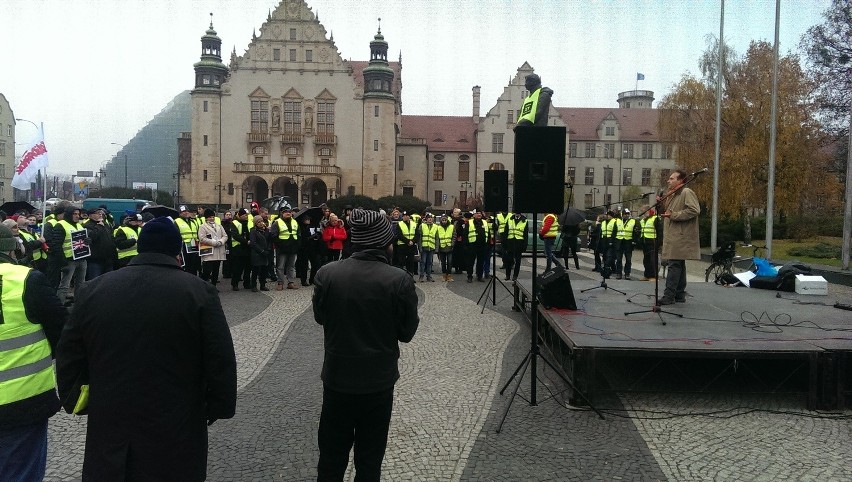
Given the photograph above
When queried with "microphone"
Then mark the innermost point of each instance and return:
(702, 171)
(648, 194)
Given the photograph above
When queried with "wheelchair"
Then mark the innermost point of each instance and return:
(722, 262)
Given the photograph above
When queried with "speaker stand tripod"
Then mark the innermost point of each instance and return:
(492, 283)
(531, 359)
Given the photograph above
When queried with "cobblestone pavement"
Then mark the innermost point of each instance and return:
(447, 407)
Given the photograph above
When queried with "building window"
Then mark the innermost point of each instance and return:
(609, 150)
(375, 179)
(205, 174)
(587, 200)
(438, 171)
(462, 199)
(590, 176)
(9, 130)
(497, 166)
(607, 199)
(259, 150)
(464, 157)
(276, 54)
(205, 106)
(464, 171)
(572, 171)
(407, 191)
(610, 130)
(439, 157)
(401, 163)
(608, 176)
(572, 149)
(325, 151)
(292, 34)
(292, 55)
(375, 144)
(511, 117)
(590, 149)
(205, 139)
(325, 118)
(259, 115)
(258, 160)
(646, 176)
(350, 191)
(2, 148)
(375, 111)
(439, 198)
(291, 161)
(325, 163)
(292, 117)
(666, 151)
(496, 142)
(309, 55)
(627, 176)
(291, 151)
(664, 176)
(647, 151)
(628, 151)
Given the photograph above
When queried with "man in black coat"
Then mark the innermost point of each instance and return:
(239, 250)
(102, 244)
(366, 307)
(159, 371)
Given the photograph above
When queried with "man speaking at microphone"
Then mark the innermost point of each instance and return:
(680, 242)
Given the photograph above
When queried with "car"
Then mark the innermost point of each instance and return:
(50, 203)
(533, 231)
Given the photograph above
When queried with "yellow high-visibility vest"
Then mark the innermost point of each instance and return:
(66, 245)
(471, 231)
(529, 107)
(188, 229)
(287, 233)
(129, 233)
(26, 367)
(37, 253)
(427, 235)
(625, 229)
(407, 230)
(649, 230)
(501, 222)
(516, 229)
(445, 235)
(554, 227)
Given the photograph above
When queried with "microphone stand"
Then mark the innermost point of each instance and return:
(656, 308)
(492, 283)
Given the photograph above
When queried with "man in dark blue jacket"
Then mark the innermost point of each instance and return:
(366, 307)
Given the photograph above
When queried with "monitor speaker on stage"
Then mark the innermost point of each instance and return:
(539, 169)
(555, 289)
(496, 196)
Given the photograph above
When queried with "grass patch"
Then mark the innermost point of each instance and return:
(824, 250)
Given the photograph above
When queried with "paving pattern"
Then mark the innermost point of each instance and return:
(447, 407)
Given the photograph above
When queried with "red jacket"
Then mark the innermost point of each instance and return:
(334, 236)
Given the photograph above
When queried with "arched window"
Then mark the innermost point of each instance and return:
(497, 166)
(258, 150)
(291, 151)
(325, 151)
(439, 157)
(464, 157)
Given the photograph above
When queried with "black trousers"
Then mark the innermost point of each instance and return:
(210, 271)
(241, 270)
(570, 246)
(650, 261)
(359, 419)
(302, 260)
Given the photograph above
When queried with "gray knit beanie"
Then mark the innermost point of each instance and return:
(370, 229)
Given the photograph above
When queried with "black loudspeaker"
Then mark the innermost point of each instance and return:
(554, 289)
(539, 169)
(496, 196)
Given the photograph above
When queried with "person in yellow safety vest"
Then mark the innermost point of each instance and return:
(125, 237)
(240, 261)
(405, 247)
(31, 325)
(285, 235)
(477, 236)
(428, 243)
(536, 106)
(514, 244)
(625, 245)
(188, 227)
(60, 240)
(34, 254)
(609, 243)
(650, 245)
(500, 220)
(446, 240)
(548, 232)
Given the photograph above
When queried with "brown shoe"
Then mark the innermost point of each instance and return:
(292, 286)
(450, 277)
(279, 287)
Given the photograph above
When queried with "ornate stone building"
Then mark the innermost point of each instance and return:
(291, 117)
(7, 149)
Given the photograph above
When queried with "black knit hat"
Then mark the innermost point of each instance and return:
(209, 212)
(160, 235)
(370, 229)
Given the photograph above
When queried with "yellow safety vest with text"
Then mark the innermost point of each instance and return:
(26, 366)
(129, 233)
(649, 231)
(529, 107)
(427, 235)
(516, 229)
(625, 229)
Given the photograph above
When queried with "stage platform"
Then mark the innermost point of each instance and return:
(729, 339)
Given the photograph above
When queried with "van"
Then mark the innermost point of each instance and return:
(116, 206)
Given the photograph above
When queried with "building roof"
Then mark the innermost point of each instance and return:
(358, 67)
(442, 133)
(638, 125)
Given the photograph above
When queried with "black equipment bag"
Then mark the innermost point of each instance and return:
(554, 289)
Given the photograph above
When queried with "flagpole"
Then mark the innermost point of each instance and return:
(44, 185)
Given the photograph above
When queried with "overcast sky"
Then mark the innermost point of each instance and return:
(95, 71)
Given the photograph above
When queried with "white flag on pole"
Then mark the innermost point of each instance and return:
(34, 158)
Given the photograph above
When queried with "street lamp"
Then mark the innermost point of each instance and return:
(125, 161)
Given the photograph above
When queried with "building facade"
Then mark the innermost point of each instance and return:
(290, 117)
(7, 149)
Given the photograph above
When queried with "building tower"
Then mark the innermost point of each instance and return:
(204, 173)
(635, 99)
(380, 110)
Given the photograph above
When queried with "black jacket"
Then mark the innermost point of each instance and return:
(243, 237)
(260, 247)
(158, 370)
(41, 307)
(102, 242)
(366, 307)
